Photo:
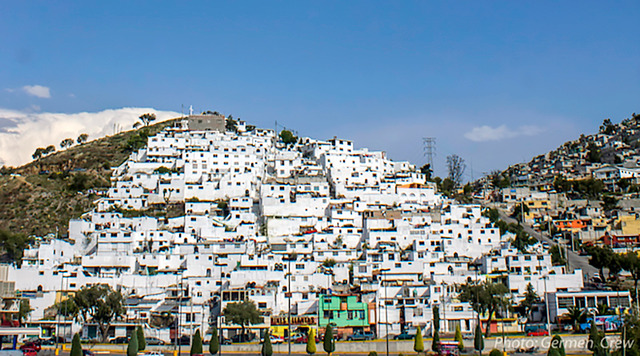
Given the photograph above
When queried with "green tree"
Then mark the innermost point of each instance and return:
(97, 303)
(243, 314)
(287, 137)
(24, 310)
(556, 256)
(82, 138)
(486, 297)
(214, 343)
(14, 246)
(67, 142)
(267, 349)
(530, 299)
(418, 343)
(576, 316)
(630, 262)
(196, 344)
(39, 152)
(459, 339)
(132, 347)
(147, 118)
(495, 352)
(597, 343)
(601, 257)
(478, 341)
(435, 343)
(427, 171)
(311, 341)
(142, 343)
(49, 149)
(328, 343)
(556, 345)
(76, 347)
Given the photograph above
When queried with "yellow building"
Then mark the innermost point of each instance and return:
(629, 224)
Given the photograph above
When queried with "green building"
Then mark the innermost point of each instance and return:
(346, 312)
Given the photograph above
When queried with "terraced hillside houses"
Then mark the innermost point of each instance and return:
(207, 215)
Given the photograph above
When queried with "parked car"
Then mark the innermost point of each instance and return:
(404, 336)
(302, 338)
(87, 353)
(119, 340)
(31, 345)
(242, 338)
(154, 341)
(538, 333)
(276, 339)
(362, 335)
(153, 353)
(29, 352)
(183, 340)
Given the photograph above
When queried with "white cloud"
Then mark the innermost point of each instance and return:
(22, 132)
(487, 133)
(37, 91)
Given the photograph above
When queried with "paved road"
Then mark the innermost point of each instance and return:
(575, 261)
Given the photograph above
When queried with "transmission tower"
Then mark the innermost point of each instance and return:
(429, 148)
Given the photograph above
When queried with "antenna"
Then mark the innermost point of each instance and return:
(429, 148)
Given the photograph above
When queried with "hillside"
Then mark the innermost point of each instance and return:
(41, 197)
(614, 147)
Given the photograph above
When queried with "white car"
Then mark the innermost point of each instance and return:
(152, 353)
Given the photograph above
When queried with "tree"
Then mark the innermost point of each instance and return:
(435, 344)
(631, 263)
(196, 344)
(243, 314)
(455, 167)
(132, 347)
(597, 342)
(24, 310)
(495, 352)
(82, 138)
(67, 142)
(99, 304)
(214, 343)
(478, 341)
(556, 256)
(427, 171)
(530, 298)
(576, 316)
(38, 153)
(147, 118)
(287, 137)
(459, 339)
(49, 149)
(76, 347)
(142, 343)
(267, 349)
(14, 246)
(418, 343)
(556, 345)
(486, 297)
(311, 341)
(601, 257)
(328, 343)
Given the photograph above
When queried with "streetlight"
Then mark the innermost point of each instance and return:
(219, 318)
(386, 311)
(62, 276)
(291, 256)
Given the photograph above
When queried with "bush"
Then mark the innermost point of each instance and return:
(373, 353)
(495, 352)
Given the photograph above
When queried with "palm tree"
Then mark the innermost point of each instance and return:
(576, 315)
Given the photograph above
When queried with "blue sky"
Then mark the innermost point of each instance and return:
(495, 82)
